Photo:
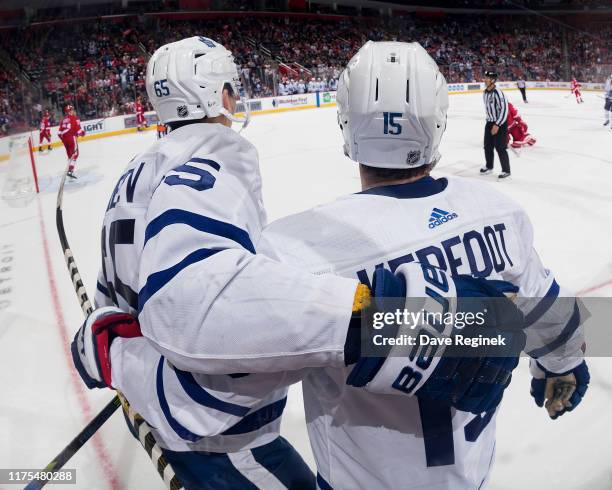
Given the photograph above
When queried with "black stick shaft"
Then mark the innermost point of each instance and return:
(82, 437)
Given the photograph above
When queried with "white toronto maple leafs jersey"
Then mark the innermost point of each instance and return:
(361, 440)
(608, 89)
(177, 246)
(208, 306)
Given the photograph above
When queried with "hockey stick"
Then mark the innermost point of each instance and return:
(137, 423)
(516, 151)
(90, 429)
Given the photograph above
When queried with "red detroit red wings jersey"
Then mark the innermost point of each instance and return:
(70, 126)
(44, 123)
(512, 115)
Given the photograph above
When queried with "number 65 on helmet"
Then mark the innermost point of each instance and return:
(185, 80)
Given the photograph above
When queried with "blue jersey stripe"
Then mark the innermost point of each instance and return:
(563, 337)
(158, 280)
(181, 431)
(203, 470)
(283, 461)
(258, 418)
(322, 484)
(543, 306)
(206, 161)
(203, 397)
(102, 289)
(200, 223)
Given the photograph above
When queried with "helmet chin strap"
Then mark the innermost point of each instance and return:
(244, 121)
(437, 157)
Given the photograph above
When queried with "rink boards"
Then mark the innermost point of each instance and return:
(118, 125)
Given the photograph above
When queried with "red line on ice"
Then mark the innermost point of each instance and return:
(594, 288)
(77, 384)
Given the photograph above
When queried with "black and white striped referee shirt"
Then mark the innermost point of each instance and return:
(496, 106)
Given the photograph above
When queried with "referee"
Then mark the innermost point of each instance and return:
(496, 128)
(522, 86)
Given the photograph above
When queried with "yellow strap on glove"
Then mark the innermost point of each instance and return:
(362, 298)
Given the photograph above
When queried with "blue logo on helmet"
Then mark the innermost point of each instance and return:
(210, 43)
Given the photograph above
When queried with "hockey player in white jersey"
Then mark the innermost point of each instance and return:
(312, 85)
(392, 111)
(156, 233)
(608, 100)
(198, 279)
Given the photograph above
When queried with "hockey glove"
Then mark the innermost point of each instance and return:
(558, 393)
(463, 377)
(91, 345)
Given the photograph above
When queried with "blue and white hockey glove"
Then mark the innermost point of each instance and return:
(467, 378)
(91, 345)
(558, 392)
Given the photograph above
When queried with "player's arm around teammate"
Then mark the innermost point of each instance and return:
(197, 272)
(205, 299)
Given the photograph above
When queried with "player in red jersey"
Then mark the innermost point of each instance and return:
(140, 117)
(69, 129)
(517, 129)
(576, 90)
(45, 131)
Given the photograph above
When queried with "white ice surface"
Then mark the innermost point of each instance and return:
(565, 183)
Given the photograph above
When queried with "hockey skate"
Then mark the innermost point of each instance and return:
(503, 175)
(485, 171)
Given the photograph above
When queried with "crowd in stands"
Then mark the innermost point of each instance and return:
(589, 58)
(17, 104)
(99, 66)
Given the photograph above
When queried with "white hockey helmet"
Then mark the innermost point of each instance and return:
(185, 80)
(392, 104)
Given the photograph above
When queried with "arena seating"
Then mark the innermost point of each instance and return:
(99, 65)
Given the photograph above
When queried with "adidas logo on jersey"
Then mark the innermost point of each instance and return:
(439, 217)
